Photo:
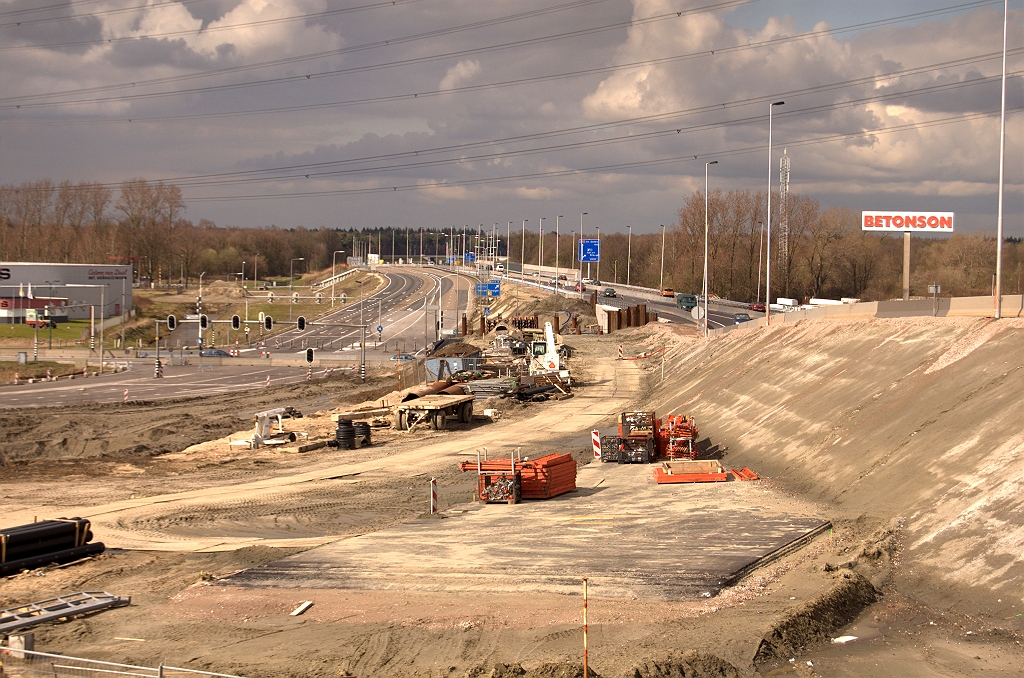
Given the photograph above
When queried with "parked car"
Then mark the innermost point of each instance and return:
(668, 292)
(500, 268)
(580, 287)
(686, 301)
(404, 357)
(756, 307)
(214, 353)
(588, 281)
(608, 292)
(738, 318)
(561, 276)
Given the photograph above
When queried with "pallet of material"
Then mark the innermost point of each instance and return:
(542, 478)
(703, 471)
(25, 547)
(743, 474)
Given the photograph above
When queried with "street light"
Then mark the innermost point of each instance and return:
(581, 259)
(998, 291)
(661, 281)
(768, 250)
(334, 260)
(706, 204)
(556, 253)
(629, 251)
(103, 305)
(291, 278)
(49, 324)
(540, 243)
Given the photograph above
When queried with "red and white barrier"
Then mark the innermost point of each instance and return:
(595, 438)
(620, 351)
(433, 495)
(268, 381)
(126, 395)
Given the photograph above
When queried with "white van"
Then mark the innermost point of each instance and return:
(500, 268)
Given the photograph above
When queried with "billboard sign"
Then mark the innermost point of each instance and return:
(590, 250)
(921, 222)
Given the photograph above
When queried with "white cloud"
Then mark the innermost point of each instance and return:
(460, 74)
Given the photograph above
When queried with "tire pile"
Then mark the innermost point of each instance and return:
(349, 435)
(26, 547)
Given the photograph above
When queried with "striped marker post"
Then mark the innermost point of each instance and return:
(620, 351)
(433, 496)
(126, 395)
(595, 438)
(267, 382)
(586, 672)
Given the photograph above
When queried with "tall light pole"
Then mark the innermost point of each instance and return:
(334, 261)
(522, 259)
(582, 214)
(760, 251)
(243, 273)
(661, 283)
(1002, 147)
(291, 278)
(706, 205)
(598, 276)
(768, 217)
(629, 251)
(556, 253)
(540, 243)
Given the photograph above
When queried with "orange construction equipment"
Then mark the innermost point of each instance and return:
(705, 471)
(677, 438)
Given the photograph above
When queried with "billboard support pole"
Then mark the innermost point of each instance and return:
(906, 266)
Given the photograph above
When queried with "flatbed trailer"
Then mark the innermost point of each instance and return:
(435, 410)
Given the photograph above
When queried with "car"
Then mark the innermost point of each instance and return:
(561, 276)
(739, 318)
(500, 268)
(214, 353)
(403, 357)
(686, 301)
(608, 292)
(588, 281)
(580, 287)
(668, 292)
(756, 307)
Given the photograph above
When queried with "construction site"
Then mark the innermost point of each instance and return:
(535, 496)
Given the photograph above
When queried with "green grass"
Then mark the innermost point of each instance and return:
(34, 370)
(70, 331)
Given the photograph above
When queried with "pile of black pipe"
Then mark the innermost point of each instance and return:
(51, 541)
(535, 394)
(345, 435)
(362, 429)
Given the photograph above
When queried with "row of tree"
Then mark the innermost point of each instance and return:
(825, 254)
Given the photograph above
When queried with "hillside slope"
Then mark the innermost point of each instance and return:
(882, 419)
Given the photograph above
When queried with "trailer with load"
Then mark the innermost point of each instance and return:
(433, 410)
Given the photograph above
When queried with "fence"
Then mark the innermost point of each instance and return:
(27, 664)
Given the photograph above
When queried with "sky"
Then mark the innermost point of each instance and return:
(434, 113)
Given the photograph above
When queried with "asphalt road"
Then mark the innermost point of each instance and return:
(180, 381)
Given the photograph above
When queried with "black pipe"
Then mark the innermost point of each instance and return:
(66, 556)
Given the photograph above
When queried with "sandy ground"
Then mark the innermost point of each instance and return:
(192, 516)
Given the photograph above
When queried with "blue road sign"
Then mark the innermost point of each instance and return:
(590, 250)
(470, 257)
(380, 328)
(487, 311)
(489, 289)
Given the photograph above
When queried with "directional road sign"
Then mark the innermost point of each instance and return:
(489, 289)
(380, 328)
(590, 250)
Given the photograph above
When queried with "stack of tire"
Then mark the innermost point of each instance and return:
(26, 547)
(345, 435)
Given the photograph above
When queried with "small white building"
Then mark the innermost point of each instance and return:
(74, 288)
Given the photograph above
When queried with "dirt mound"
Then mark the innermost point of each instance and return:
(558, 670)
(817, 621)
(692, 664)
(550, 304)
(222, 290)
(499, 671)
(454, 350)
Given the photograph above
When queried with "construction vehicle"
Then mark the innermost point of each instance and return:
(547, 356)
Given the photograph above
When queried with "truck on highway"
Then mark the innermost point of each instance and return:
(686, 301)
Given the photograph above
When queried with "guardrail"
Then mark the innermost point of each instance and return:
(31, 663)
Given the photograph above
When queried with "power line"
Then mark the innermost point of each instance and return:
(455, 54)
(606, 168)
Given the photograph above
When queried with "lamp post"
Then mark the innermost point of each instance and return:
(598, 276)
(103, 306)
(49, 324)
(581, 262)
(706, 220)
(661, 280)
(243, 273)
(291, 278)
(629, 251)
(768, 252)
(557, 253)
(334, 261)
(522, 260)
(998, 291)
(540, 243)
(760, 249)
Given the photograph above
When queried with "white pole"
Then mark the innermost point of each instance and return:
(629, 251)
(1002, 147)
(661, 281)
(557, 252)
(768, 252)
(706, 221)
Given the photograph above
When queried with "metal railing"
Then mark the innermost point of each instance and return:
(15, 663)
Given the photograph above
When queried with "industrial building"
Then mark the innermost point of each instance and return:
(30, 290)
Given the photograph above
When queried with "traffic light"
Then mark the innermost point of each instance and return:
(236, 322)
(204, 322)
(319, 297)
(300, 323)
(309, 356)
(172, 322)
(295, 297)
(268, 323)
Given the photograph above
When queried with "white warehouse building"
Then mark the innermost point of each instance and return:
(71, 291)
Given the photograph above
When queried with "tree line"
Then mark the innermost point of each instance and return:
(825, 254)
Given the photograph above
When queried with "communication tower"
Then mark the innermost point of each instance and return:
(784, 208)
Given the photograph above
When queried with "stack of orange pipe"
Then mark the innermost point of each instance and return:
(542, 478)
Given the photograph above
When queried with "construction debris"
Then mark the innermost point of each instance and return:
(542, 478)
(63, 540)
(31, 614)
(701, 471)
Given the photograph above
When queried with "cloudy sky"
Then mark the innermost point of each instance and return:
(432, 113)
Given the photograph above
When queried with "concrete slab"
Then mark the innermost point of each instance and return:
(629, 535)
